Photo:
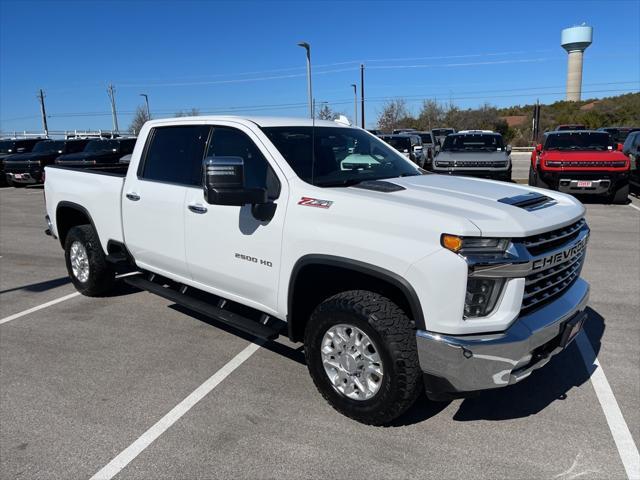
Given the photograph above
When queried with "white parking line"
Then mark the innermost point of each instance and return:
(147, 438)
(39, 307)
(633, 206)
(619, 430)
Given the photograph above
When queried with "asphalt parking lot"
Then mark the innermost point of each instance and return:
(82, 380)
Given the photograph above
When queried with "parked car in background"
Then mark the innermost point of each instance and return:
(619, 134)
(375, 132)
(28, 168)
(428, 148)
(409, 145)
(99, 153)
(631, 148)
(403, 130)
(570, 126)
(581, 162)
(11, 147)
(439, 134)
(478, 153)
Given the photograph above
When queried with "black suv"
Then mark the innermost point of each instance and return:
(11, 147)
(26, 168)
(99, 154)
(631, 148)
(619, 134)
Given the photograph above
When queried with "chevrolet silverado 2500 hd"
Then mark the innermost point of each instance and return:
(394, 279)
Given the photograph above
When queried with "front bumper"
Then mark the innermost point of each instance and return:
(467, 363)
(24, 173)
(474, 172)
(602, 183)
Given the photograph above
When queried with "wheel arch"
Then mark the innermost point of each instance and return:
(308, 286)
(69, 215)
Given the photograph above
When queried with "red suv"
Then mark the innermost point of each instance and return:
(581, 162)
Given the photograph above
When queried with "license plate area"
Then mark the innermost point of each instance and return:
(585, 183)
(571, 329)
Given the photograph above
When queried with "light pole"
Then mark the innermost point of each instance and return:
(146, 101)
(355, 104)
(307, 47)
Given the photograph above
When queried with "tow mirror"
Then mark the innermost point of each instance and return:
(224, 183)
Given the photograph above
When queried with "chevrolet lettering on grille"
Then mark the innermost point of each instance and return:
(559, 257)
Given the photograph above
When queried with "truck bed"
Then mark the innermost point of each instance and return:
(98, 191)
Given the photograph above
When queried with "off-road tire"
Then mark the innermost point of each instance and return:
(101, 273)
(621, 195)
(394, 336)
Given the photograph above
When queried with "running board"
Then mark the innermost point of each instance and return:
(229, 318)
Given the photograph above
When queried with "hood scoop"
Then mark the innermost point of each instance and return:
(529, 201)
(379, 186)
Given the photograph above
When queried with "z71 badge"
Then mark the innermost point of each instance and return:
(314, 202)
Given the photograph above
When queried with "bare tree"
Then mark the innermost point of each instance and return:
(194, 112)
(431, 115)
(139, 119)
(394, 115)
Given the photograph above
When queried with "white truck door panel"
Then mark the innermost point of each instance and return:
(228, 251)
(153, 204)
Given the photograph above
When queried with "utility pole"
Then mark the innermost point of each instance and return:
(355, 104)
(307, 47)
(44, 114)
(146, 101)
(362, 94)
(111, 91)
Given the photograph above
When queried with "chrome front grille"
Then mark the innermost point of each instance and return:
(543, 286)
(544, 242)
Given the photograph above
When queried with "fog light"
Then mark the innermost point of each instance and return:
(482, 296)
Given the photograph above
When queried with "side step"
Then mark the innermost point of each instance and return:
(233, 319)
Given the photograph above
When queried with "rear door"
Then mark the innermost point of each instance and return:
(153, 207)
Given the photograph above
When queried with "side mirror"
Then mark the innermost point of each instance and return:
(539, 148)
(508, 149)
(619, 147)
(224, 183)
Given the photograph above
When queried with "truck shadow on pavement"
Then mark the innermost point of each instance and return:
(40, 286)
(551, 383)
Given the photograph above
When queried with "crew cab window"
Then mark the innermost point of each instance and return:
(75, 146)
(126, 146)
(175, 154)
(230, 142)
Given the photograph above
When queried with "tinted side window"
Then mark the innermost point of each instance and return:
(126, 146)
(175, 154)
(229, 142)
(76, 146)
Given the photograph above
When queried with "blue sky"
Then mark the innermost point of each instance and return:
(242, 57)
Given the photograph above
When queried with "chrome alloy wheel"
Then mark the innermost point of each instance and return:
(352, 362)
(79, 261)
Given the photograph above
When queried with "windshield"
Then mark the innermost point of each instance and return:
(7, 147)
(578, 141)
(343, 156)
(440, 132)
(399, 143)
(48, 146)
(472, 142)
(426, 137)
(101, 146)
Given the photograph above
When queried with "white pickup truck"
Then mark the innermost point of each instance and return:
(394, 278)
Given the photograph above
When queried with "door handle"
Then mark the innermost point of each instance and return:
(198, 209)
(133, 196)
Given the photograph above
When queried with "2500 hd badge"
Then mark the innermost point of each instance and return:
(560, 257)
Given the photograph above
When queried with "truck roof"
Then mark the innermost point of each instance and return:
(258, 120)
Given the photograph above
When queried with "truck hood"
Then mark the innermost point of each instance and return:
(30, 157)
(476, 200)
(462, 157)
(583, 155)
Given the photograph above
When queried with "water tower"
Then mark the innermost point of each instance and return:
(575, 40)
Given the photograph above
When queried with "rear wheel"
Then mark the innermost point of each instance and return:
(87, 265)
(361, 353)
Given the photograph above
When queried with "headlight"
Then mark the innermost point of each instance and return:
(482, 295)
(474, 245)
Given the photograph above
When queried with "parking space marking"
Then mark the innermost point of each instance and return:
(633, 206)
(125, 457)
(627, 448)
(39, 307)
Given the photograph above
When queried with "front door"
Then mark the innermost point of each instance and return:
(228, 251)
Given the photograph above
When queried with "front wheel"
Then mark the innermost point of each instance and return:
(87, 265)
(621, 195)
(361, 353)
